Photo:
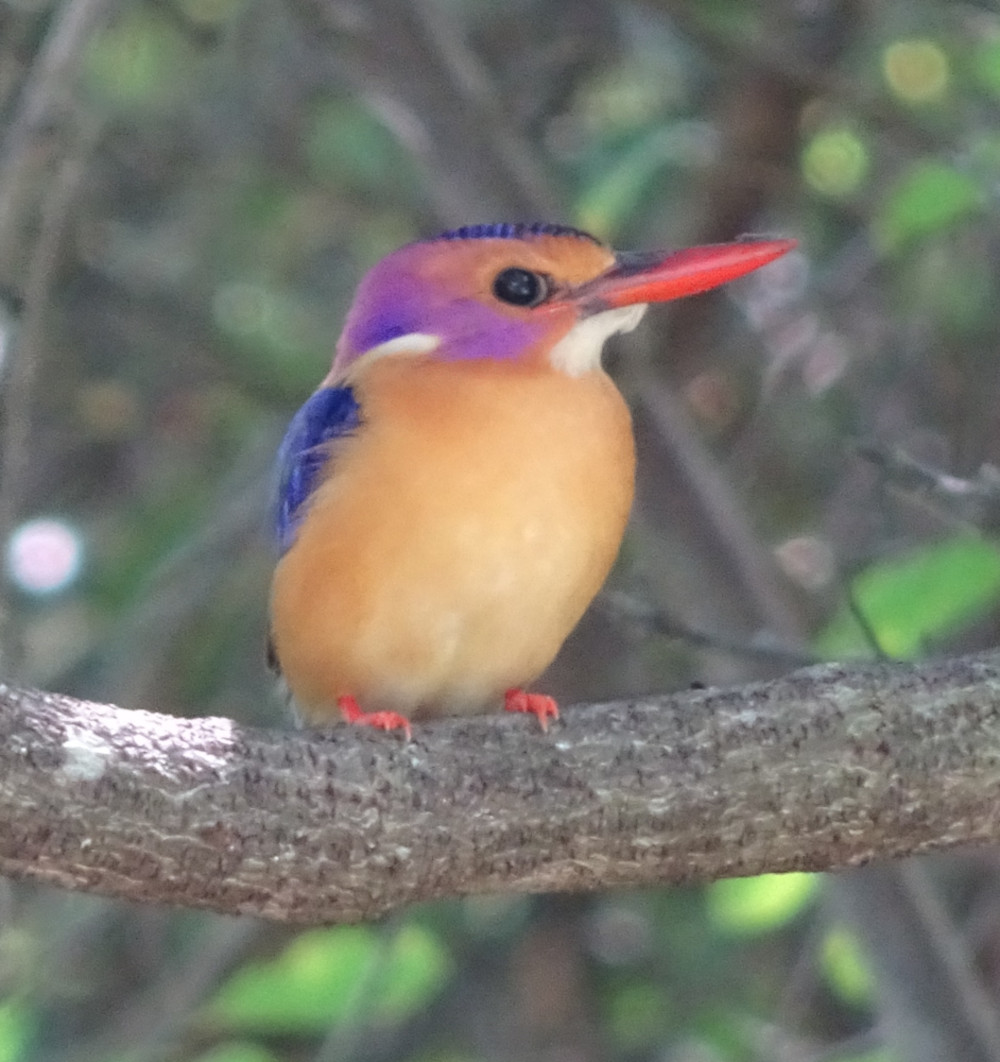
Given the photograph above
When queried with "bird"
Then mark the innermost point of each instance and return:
(454, 494)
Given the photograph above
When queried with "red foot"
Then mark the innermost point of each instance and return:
(351, 711)
(536, 704)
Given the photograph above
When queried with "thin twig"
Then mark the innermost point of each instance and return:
(25, 368)
(45, 100)
(972, 502)
(623, 606)
(148, 1026)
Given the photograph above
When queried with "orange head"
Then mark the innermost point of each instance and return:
(525, 292)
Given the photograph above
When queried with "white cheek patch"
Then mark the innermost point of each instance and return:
(579, 351)
(412, 343)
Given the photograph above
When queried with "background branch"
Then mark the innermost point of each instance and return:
(827, 768)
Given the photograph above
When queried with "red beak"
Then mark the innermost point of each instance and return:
(657, 276)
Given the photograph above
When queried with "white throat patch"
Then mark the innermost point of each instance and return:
(579, 351)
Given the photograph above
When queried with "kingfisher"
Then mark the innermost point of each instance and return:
(453, 496)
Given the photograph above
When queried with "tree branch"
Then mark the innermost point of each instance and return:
(827, 768)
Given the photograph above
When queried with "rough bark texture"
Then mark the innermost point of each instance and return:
(827, 768)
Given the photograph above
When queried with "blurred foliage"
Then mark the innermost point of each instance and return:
(15, 1031)
(242, 162)
(325, 974)
(915, 600)
(845, 968)
(754, 905)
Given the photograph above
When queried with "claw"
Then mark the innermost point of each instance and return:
(537, 704)
(351, 711)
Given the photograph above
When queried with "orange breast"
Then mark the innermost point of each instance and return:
(458, 539)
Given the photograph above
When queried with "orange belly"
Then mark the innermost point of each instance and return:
(458, 539)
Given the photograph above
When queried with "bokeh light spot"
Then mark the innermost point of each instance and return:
(808, 559)
(916, 70)
(835, 162)
(44, 556)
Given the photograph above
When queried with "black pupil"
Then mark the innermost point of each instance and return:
(519, 286)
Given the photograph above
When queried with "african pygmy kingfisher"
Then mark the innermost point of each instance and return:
(454, 494)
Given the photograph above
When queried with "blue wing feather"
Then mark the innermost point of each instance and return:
(331, 413)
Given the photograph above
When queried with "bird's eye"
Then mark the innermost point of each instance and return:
(520, 287)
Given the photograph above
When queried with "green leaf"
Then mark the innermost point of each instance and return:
(722, 1034)
(844, 967)
(329, 975)
(639, 1015)
(931, 197)
(306, 988)
(417, 968)
(919, 597)
(16, 1032)
(615, 193)
(631, 170)
(760, 904)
